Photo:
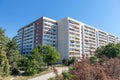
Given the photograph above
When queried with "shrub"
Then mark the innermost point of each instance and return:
(105, 69)
(67, 76)
(93, 59)
(68, 61)
(15, 71)
(51, 79)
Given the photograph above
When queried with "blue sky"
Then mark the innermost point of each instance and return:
(102, 14)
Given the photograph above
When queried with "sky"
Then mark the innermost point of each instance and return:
(102, 14)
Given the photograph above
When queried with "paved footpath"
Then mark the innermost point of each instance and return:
(51, 74)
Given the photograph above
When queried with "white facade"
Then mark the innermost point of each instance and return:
(70, 37)
(89, 40)
(102, 38)
(77, 39)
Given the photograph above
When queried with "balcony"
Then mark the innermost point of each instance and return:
(71, 53)
(75, 26)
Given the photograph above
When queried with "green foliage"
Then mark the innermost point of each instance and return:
(37, 50)
(46, 54)
(73, 60)
(40, 56)
(11, 61)
(37, 55)
(29, 65)
(51, 79)
(111, 51)
(68, 61)
(32, 67)
(15, 71)
(93, 59)
(4, 65)
(13, 56)
(23, 63)
(50, 54)
(67, 76)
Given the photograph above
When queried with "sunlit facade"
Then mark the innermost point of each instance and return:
(70, 37)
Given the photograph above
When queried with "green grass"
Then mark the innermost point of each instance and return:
(29, 77)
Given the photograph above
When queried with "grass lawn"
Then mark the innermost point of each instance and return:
(29, 77)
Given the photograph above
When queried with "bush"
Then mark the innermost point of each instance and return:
(65, 62)
(15, 71)
(31, 67)
(68, 61)
(105, 69)
(93, 59)
(67, 76)
(51, 79)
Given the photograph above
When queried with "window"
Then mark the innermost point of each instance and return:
(36, 41)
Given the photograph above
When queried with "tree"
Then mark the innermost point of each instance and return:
(68, 61)
(13, 56)
(37, 55)
(99, 51)
(32, 66)
(4, 65)
(111, 51)
(45, 54)
(50, 54)
(32, 63)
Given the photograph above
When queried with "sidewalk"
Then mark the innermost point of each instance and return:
(50, 75)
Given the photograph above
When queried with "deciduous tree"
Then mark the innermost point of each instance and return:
(13, 56)
(50, 54)
(4, 65)
(111, 51)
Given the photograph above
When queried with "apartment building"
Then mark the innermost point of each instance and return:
(70, 37)
(102, 38)
(42, 31)
(89, 40)
(111, 38)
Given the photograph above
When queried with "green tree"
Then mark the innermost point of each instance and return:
(32, 63)
(38, 50)
(93, 59)
(50, 54)
(99, 51)
(111, 51)
(67, 76)
(68, 61)
(22, 64)
(32, 66)
(4, 65)
(37, 55)
(118, 47)
(13, 56)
